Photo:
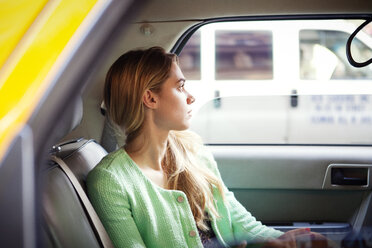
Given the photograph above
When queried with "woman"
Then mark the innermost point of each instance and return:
(163, 188)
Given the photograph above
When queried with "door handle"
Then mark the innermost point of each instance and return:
(349, 176)
(294, 99)
(217, 99)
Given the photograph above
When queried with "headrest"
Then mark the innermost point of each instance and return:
(81, 156)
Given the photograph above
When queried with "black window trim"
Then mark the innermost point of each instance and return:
(180, 43)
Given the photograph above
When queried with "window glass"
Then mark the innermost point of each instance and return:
(279, 82)
(189, 58)
(323, 55)
(243, 55)
(310, 119)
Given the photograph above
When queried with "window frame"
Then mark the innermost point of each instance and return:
(186, 35)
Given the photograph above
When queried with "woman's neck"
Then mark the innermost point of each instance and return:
(148, 149)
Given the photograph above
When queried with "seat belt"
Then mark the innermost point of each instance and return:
(105, 240)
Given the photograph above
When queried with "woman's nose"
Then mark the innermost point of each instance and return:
(190, 98)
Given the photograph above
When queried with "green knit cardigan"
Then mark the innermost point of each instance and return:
(137, 213)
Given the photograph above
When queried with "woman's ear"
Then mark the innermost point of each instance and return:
(150, 99)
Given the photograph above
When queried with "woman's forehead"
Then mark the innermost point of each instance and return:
(176, 72)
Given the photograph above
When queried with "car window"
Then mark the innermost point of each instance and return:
(279, 82)
(243, 55)
(315, 119)
(190, 58)
(319, 45)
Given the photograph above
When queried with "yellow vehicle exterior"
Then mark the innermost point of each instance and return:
(33, 34)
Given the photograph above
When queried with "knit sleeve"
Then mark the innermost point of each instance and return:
(110, 201)
(245, 226)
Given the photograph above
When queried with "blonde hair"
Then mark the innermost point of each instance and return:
(126, 82)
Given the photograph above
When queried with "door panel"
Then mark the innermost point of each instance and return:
(284, 167)
(282, 185)
(286, 206)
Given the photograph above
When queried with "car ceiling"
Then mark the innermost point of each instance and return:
(163, 10)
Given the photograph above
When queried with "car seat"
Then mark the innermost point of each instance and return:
(67, 223)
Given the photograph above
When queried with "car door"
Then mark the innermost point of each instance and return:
(290, 159)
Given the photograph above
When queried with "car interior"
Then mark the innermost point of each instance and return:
(296, 152)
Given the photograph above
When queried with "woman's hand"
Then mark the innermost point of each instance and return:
(301, 237)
